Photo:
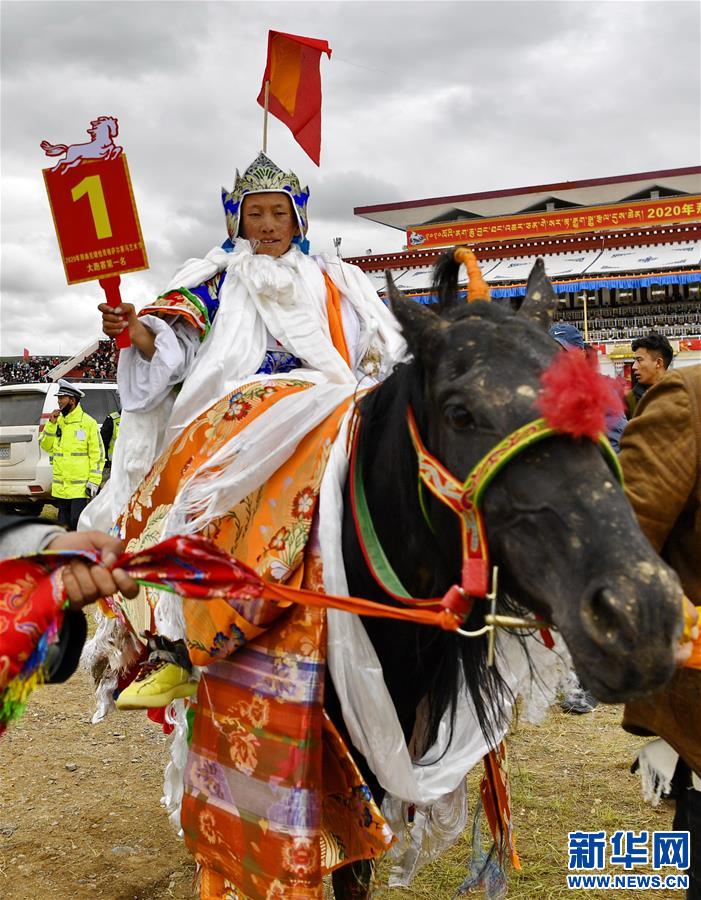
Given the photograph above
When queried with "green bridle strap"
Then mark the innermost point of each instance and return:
(482, 474)
(370, 544)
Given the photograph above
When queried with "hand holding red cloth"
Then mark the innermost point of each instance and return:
(33, 596)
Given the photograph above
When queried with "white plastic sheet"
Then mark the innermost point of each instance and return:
(645, 259)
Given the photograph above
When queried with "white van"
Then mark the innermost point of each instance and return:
(25, 469)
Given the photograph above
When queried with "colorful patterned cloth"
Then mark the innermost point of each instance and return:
(31, 613)
(32, 601)
(198, 306)
(272, 799)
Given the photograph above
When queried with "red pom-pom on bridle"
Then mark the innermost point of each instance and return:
(575, 398)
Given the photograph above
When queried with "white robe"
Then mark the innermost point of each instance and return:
(263, 299)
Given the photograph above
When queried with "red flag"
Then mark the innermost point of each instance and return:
(294, 93)
(25, 353)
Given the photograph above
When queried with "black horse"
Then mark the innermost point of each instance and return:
(558, 524)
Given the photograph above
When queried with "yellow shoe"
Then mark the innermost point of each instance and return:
(157, 684)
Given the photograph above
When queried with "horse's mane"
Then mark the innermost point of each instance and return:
(383, 414)
(449, 304)
(445, 284)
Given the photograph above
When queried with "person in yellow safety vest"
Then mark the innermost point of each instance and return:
(72, 439)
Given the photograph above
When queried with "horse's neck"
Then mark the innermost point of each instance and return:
(423, 560)
(418, 663)
(102, 136)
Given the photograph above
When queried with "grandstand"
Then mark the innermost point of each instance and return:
(95, 362)
(623, 252)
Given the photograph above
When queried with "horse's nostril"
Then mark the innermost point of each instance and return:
(608, 617)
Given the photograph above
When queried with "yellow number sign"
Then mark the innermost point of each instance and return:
(92, 186)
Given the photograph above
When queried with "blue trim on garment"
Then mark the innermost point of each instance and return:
(211, 303)
(277, 362)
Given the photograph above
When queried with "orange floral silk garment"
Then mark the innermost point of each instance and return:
(272, 799)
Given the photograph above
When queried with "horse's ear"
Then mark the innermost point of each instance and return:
(420, 325)
(541, 300)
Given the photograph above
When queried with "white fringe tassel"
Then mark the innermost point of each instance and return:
(436, 826)
(551, 668)
(110, 652)
(654, 783)
(168, 615)
(657, 762)
(174, 774)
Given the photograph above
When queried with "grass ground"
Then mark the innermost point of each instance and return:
(80, 815)
(572, 773)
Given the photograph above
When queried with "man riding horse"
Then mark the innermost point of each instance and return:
(255, 311)
(255, 307)
(267, 347)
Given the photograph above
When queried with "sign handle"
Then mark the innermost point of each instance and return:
(111, 288)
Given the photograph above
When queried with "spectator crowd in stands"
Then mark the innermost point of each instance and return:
(24, 371)
(100, 365)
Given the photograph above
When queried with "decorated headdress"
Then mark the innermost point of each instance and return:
(263, 176)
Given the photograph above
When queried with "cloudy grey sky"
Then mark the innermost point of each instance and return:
(421, 99)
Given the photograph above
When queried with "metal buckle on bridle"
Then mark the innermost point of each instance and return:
(492, 620)
(488, 627)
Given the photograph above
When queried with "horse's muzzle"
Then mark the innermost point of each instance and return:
(628, 627)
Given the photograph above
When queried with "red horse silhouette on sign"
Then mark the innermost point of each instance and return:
(103, 130)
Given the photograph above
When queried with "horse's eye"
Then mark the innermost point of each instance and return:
(457, 416)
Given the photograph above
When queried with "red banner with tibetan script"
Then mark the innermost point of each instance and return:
(96, 220)
(641, 214)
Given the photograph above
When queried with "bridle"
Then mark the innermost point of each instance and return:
(464, 498)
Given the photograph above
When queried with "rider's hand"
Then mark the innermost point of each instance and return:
(85, 582)
(116, 318)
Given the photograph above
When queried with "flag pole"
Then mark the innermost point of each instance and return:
(265, 117)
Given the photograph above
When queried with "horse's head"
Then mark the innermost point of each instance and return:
(108, 124)
(558, 523)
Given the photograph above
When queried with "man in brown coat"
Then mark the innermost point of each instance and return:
(661, 460)
(652, 355)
